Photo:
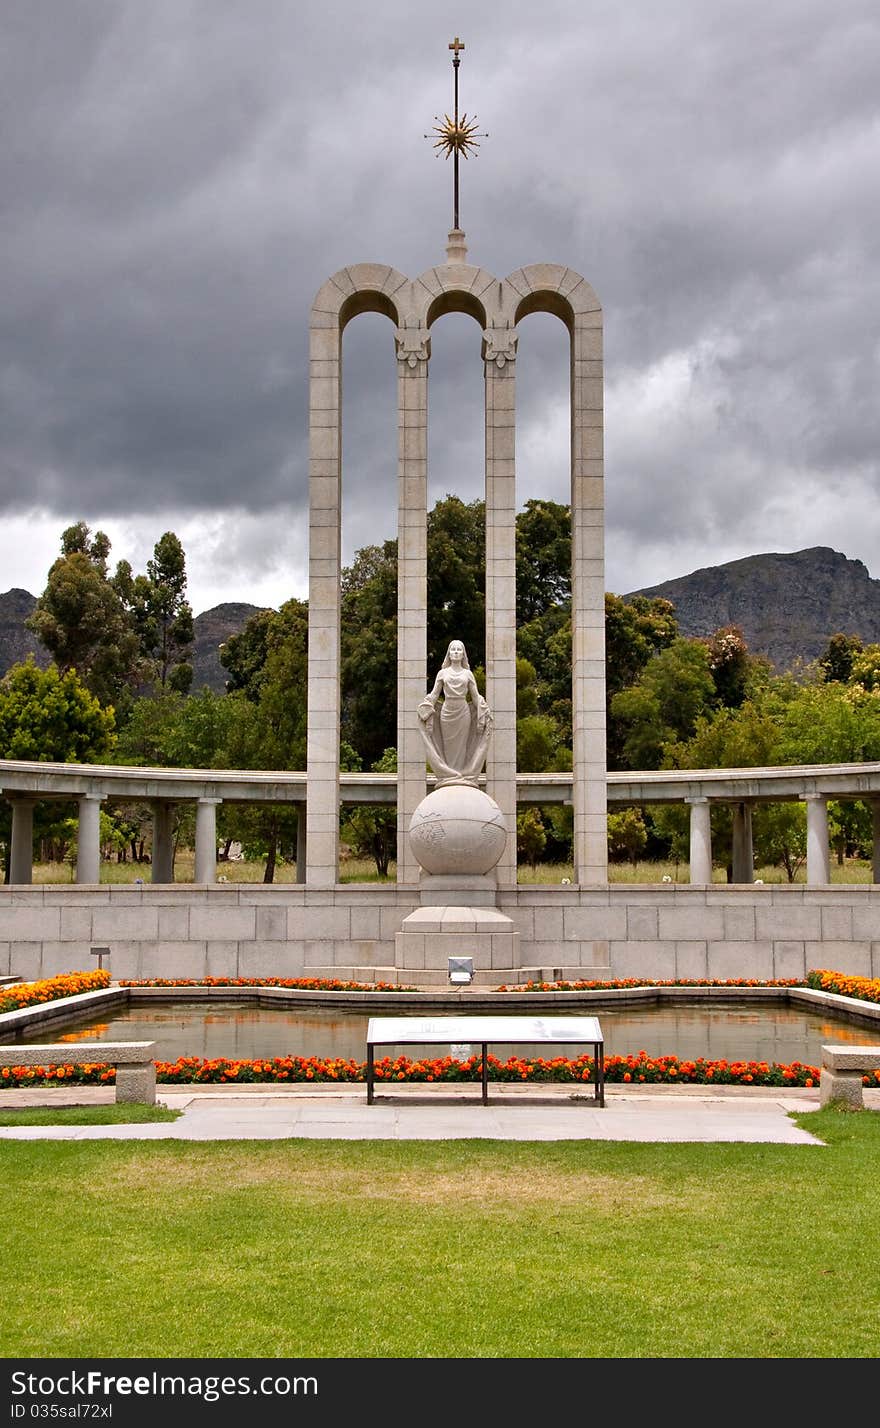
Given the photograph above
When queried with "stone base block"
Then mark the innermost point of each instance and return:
(840, 1076)
(843, 1086)
(473, 890)
(136, 1083)
(431, 935)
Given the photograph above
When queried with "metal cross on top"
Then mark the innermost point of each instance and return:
(456, 135)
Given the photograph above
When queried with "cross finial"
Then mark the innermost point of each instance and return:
(456, 45)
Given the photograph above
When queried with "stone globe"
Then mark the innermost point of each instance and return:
(457, 829)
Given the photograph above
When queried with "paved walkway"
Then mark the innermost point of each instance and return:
(659, 1114)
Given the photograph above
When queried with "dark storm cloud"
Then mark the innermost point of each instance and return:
(177, 180)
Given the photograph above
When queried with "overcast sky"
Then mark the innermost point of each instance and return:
(179, 177)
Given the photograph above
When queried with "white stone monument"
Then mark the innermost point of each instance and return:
(458, 834)
(497, 305)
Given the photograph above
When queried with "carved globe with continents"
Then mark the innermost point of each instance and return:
(458, 829)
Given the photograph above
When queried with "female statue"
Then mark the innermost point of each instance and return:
(455, 721)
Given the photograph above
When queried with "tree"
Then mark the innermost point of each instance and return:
(541, 742)
(371, 828)
(268, 662)
(636, 630)
(369, 651)
(161, 614)
(866, 669)
(457, 579)
(830, 724)
(663, 706)
(837, 661)
(81, 619)
(733, 668)
(268, 665)
(747, 737)
(543, 559)
(531, 835)
(244, 655)
(51, 717)
(627, 835)
(779, 834)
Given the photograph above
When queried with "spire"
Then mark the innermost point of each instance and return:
(456, 135)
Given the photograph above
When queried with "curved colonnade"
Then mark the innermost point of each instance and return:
(24, 784)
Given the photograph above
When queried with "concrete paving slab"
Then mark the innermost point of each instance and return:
(659, 1114)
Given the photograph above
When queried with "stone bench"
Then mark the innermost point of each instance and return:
(841, 1072)
(135, 1069)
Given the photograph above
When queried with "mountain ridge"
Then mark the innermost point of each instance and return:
(211, 628)
(787, 604)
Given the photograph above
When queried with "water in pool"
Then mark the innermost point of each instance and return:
(244, 1031)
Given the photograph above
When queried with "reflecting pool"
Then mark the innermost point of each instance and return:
(726, 1031)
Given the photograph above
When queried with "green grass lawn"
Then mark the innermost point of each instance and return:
(114, 1114)
(363, 870)
(469, 1249)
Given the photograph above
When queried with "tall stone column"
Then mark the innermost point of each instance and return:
(325, 570)
(700, 841)
(589, 783)
(301, 845)
(21, 855)
(413, 353)
(88, 842)
(876, 860)
(206, 840)
(818, 854)
(163, 842)
(743, 850)
(499, 354)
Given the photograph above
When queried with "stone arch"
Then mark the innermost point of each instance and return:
(551, 287)
(454, 300)
(363, 287)
(497, 305)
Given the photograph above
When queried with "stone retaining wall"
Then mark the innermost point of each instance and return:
(619, 931)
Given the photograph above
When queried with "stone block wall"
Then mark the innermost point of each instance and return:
(613, 932)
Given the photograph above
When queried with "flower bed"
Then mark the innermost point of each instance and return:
(70, 984)
(621, 983)
(307, 984)
(866, 989)
(639, 1069)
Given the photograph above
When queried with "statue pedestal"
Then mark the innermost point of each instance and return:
(433, 934)
(457, 834)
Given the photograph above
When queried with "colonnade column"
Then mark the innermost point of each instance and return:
(876, 860)
(818, 854)
(499, 354)
(743, 850)
(21, 855)
(589, 782)
(206, 840)
(88, 841)
(325, 570)
(163, 842)
(413, 352)
(700, 841)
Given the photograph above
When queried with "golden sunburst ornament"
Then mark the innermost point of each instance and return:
(455, 135)
(455, 138)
